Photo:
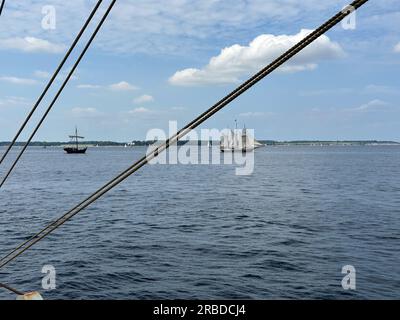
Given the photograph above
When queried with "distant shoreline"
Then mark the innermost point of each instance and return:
(265, 142)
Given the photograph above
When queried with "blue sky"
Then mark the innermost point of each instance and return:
(154, 62)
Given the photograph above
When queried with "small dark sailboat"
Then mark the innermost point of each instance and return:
(75, 149)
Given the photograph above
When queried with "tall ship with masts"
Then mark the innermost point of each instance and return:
(238, 141)
(75, 149)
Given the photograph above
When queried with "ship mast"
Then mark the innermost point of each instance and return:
(76, 137)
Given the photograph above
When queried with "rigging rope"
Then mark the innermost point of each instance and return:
(70, 74)
(3, 2)
(195, 123)
(19, 293)
(52, 79)
(2, 6)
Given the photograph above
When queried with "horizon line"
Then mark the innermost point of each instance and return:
(265, 140)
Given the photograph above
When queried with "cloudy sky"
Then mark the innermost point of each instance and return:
(155, 61)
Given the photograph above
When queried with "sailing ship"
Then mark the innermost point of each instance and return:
(75, 149)
(238, 141)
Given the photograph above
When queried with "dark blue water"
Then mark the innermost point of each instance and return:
(203, 232)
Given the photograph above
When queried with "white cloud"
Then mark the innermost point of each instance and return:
(178, 108)
(19, 81)
(86, 112)
(254, 114)
(372, 105)
(397, 48)
(183, 26)
(322, 92)
(381, 89)
(31, 44)
(140, 110)
(12, 101)
(368, 89)
(237, 61)
(88, 86)
(42, 74)
(61, 76)
(122, 86)
(143, 99)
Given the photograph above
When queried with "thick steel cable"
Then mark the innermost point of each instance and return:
(51, 81)
(195, 123)
(59, 92)
(3, 2)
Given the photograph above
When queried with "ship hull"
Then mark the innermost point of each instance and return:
(75, 150)
(237, 150)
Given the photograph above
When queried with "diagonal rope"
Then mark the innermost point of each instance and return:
(3, 2)
(51, 81)
(195, 123)
(2, 6)
(70, 74)
(11, 289)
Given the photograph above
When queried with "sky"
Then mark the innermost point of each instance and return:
(157, 61)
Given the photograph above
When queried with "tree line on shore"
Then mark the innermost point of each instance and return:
(148, 143)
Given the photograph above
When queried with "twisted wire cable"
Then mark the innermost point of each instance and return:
(69, 76)
(181, 133)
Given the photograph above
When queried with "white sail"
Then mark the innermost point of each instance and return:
(238, 140)
(253, 142)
